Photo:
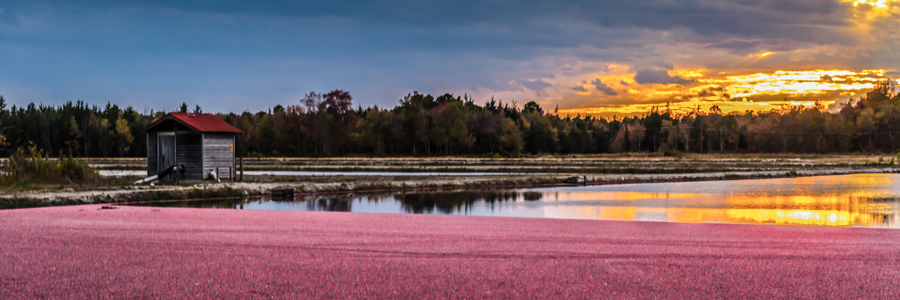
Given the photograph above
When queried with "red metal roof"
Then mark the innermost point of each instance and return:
(198, 122)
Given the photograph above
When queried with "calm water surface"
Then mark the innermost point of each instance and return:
(121, 173)
(863, 200)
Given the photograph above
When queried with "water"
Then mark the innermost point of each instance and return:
(862, 200)
(121, 173)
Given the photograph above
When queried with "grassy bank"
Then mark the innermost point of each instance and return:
(186, 194)
(30, 169)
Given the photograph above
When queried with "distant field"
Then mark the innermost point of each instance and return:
(597, 164)
(637, 163)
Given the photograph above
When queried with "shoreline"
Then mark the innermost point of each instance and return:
(362, 184)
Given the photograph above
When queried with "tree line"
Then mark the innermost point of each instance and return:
(327, 124)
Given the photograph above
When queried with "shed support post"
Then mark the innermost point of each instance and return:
(242, 169)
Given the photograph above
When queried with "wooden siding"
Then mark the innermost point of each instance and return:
(151, 154)
(218, 152)
(166, 156)
(189, 153)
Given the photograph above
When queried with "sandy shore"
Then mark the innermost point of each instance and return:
(144, 252)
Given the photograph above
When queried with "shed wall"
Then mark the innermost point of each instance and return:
(152, 162)
(189, 152)
(218, 152)
(166, 155)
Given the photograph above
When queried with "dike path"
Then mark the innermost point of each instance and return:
(146, 252)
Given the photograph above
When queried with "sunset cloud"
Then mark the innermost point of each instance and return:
(603, 88)
(579, 88)
(650, 76)
(581, 55)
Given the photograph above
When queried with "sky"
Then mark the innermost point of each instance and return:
(584, 57)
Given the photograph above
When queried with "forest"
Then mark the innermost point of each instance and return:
(327, 124)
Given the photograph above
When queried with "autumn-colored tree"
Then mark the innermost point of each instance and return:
(123, 135)
(339, 107)
(376, 129)
(268, 134)
(296, 132)
(487, 127)
(540, 135)
(511, 139)
(622, 142)
(327, 124)
(3, 114)
(412, 107)
(450, 131)
(637, 137)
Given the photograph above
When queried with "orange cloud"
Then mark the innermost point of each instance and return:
(755, 92)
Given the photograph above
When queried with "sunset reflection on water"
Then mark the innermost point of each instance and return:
(863, 200)
(867, 200)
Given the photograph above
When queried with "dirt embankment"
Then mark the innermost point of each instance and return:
(606, 164)
(603, 164)
(553, 171)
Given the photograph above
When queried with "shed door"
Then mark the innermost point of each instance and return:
(166, 156)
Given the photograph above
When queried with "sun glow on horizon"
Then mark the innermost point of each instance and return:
(733, 92)
(800, 82)
(874, 9)
(874, 3)
(686, 107)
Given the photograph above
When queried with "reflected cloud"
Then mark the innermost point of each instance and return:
(866, 200)
(770, 216)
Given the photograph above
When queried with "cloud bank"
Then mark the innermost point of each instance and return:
(251, 55)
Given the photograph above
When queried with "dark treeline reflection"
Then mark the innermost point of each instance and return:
(227, 203)
(458, 201)
(330, 204)
(419, 203)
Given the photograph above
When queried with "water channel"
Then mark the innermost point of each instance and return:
(860, 200)
(121, 173)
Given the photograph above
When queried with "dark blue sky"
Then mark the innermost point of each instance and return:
(251, 55)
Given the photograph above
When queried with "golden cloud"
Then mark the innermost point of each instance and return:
(755, 92)
(768, 74)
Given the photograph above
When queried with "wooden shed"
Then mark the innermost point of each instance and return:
(196, 143)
